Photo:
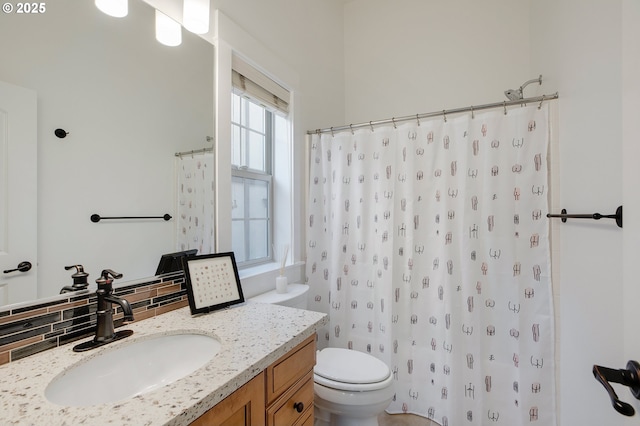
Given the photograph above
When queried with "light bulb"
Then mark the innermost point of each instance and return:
(115, 8)
(168, 31)
(195, 16)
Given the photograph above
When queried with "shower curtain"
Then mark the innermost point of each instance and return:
(428, 248)
(195, 222)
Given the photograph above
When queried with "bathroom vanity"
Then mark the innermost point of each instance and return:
(281, 395)
(262, 374)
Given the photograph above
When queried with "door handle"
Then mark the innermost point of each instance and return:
(22, 267)
(629, 377)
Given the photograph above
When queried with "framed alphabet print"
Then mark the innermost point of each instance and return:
(212, 282)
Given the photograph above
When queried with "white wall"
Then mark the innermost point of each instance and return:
(580, 48)
(631, 177)
(413, 56)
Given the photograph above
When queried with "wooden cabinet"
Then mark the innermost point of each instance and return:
(290, 386)
(280, 395)
(243, 407)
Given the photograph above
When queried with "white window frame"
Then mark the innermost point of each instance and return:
(245, 172)
(289, 175)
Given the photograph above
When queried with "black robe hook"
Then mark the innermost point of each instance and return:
(61, 133)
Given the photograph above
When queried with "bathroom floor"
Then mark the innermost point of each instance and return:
(385, 419)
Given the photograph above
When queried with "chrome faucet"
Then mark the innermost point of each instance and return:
(104, 327)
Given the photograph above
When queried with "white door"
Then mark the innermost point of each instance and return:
(18, 190)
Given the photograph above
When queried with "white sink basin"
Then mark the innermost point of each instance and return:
(141, 366)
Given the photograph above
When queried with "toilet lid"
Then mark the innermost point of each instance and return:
(349, 366)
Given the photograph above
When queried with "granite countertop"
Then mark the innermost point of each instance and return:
(253, 336)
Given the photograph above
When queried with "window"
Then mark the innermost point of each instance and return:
(252, 165)
(261, 166)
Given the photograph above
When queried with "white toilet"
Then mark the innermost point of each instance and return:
(351, 388)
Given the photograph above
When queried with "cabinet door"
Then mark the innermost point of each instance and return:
(243, 407)
(295, 406)
(309, 419)
(285, 372)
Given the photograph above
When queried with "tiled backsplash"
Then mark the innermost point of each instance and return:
(27, 330)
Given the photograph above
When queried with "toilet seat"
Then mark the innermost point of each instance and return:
(350, 370)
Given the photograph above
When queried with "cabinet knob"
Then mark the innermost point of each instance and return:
(299, 407)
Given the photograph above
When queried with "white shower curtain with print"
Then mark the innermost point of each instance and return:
(195, 223)
(428, 248)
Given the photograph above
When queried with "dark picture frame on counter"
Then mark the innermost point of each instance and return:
(212, 282)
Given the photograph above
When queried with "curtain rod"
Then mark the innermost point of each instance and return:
(444, 113)
(192, 152)
(196, 151)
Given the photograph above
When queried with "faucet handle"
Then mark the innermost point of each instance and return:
(79, 268)
(80, 273)
(107, 277)
(79, 277)
(114, 274)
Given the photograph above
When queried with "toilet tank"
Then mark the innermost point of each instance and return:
(295, 297)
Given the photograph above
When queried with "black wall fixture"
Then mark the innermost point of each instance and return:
(95, 218)
(596, 216)
(61, 133)
(629, 377)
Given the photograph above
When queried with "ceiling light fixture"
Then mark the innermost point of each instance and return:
(115, 8)
(168, 31)
(195, 16)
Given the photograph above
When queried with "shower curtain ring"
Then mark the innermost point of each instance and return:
(370, 124)
(393, 120)
(351, 127)
(444, 114)
(541, 101)
(472, 113)
(418, 119)
(504, 105)
(332, 132)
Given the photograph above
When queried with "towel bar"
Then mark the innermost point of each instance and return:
(95, 218)
(596, 216)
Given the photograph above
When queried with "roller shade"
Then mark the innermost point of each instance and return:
(249, 81)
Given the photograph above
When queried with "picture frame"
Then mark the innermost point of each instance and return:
(212, 282)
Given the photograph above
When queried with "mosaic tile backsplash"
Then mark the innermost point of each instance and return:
(27, 330)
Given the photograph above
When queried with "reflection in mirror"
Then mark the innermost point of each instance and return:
(128, 104)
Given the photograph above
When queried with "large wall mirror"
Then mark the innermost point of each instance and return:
(128, 104)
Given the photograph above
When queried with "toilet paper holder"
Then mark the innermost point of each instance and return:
(629, 377)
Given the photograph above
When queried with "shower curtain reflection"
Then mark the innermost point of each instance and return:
(428, 248)
(195, 197)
